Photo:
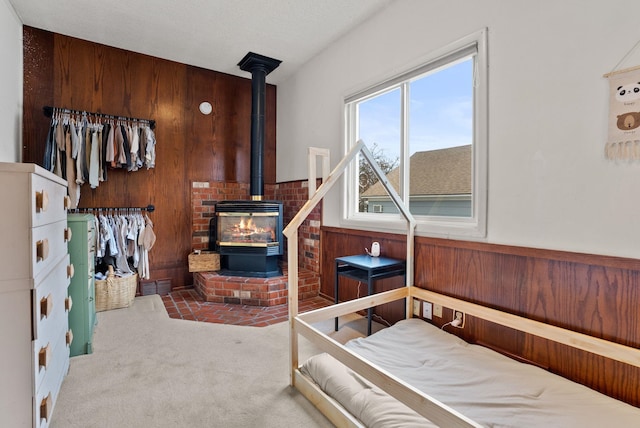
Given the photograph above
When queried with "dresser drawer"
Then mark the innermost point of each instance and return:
(49, 331)
(49, 297)
(48, 244)
(47, 359)
(47, 394)
(49, 201)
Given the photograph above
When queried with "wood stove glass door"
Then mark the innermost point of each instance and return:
(247, 229)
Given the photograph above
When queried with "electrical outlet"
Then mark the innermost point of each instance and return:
(458, 315)
(427, 310)
(437, 311)
(416, 307)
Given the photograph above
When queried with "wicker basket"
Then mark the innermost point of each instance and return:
(204, 261)
(115, 292)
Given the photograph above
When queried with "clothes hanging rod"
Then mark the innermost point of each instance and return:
(149, 208)
(48, 112)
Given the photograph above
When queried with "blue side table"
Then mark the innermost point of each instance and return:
(367, 269)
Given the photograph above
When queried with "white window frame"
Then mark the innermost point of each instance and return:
(440, 226)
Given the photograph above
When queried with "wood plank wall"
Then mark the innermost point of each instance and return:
(63, 71)
(592, 294)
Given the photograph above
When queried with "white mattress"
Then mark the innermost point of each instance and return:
(484, 385)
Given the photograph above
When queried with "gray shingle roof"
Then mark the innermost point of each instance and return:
(433, 172)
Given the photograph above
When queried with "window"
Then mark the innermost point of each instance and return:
(427, 131)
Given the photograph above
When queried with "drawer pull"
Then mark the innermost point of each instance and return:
(42, 249)
(46, 306)
(44, 356)
(71, 270)
(45, 407)
(68, 303)
(67, 234)
(69, 337)
(67, 202)
(42, 201)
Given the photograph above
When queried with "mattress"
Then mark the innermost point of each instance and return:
(489, 388)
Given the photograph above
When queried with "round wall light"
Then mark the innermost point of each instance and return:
(205, 108)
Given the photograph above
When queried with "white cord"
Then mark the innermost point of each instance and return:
(456, 323)
(382, 319)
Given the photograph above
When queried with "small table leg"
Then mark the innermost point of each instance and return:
(369, 310)
(335, 293)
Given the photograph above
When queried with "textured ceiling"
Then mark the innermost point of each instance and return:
(213, 34)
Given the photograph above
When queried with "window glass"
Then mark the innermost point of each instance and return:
(439, 144)
(441, 141)
(379, 128)
(427, 130)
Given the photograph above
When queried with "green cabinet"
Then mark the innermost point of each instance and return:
(82, 250)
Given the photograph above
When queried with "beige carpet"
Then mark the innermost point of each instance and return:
(148, 370)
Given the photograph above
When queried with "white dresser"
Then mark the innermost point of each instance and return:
(34, 276)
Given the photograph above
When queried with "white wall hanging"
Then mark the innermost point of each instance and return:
(623, 137)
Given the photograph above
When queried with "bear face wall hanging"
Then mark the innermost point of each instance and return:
(623, 142)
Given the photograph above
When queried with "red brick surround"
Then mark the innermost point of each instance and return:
(293, 194)
(257, 291)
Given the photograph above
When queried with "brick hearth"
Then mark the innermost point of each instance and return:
(214, 287)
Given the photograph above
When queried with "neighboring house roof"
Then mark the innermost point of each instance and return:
(434, 172)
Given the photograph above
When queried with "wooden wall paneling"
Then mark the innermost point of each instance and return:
(205, 143)
(270, 135)
(225, 135)
(593, 299)
(171, 190)
(237, 147)
(613, 378)
(67, 72)
(471, 275)
(226, 132)
(74, 73)
(38, 53)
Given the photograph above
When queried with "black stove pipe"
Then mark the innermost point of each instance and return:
(259, 66)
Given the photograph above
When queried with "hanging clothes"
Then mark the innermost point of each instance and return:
(49, 149)
(122, 243)
(94, 155)
(73, 187)
(150, 156)
(81, 148)
(146, 241)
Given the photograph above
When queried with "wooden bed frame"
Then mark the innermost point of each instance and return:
(435, 411)
(423, 404)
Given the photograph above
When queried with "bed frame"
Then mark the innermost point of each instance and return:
(423, 404)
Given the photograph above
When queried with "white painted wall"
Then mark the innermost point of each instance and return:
(549, 184)
(10, 84)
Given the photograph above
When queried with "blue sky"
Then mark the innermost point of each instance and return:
(440, 113)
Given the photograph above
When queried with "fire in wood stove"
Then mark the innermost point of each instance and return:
(256, 229)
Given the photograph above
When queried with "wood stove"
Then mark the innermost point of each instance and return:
(248, 234)
(248, 237)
